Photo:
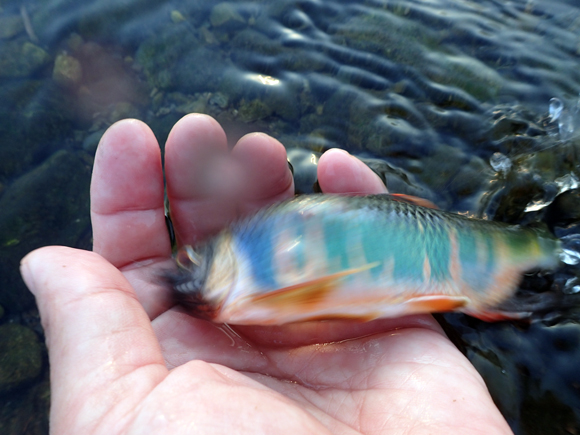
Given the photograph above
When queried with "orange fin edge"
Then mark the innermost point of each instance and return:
(436, 303)
(414, 200)
(498, 316)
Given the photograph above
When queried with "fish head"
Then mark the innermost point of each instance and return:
(205, 277)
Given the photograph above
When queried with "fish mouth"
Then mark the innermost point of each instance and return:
(187, 293)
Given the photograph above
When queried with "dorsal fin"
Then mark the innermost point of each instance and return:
(414, 200)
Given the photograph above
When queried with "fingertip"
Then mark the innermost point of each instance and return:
(262, 153)
(36, 264)
(196, 130)
(27, 266)
(127, 171)
(74, 285)
(340, 172)
(328, 161)
(265, 165)
(259, 140)
(196, 149)
(127, 132)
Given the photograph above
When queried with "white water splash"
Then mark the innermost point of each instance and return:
(567, 118)
(570, 257)
(570, 254)
(572, 286)
(567, 182)
(556, 107)
(564, 183)
(500, 163)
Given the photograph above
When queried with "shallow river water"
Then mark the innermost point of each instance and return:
(473, 105)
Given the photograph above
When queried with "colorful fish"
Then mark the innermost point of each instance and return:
(358, 257)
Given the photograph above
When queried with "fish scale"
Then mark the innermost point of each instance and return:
(325, 256)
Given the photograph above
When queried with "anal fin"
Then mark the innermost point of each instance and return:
(498, 316)
(436, 303)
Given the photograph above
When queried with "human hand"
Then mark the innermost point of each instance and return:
(124, 360)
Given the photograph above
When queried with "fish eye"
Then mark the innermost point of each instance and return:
(186, 258)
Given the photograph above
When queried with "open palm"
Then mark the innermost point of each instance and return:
(125, 360)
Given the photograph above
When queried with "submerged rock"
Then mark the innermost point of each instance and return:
(20, 356)
(67, 70)
(226, 15)
(25, 411)
(10, 25)
(20, 58)
(176, 60)
(177, 16)
(60, 184)
(253, 110)
(33, 126)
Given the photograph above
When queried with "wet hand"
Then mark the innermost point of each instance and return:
(125, 360)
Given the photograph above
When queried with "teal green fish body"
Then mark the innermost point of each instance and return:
(322, 256)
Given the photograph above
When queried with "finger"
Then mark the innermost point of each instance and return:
(339, 172)
(201, 179)
(208, 186)
(103, 352)
(127, 191)
(266, 176)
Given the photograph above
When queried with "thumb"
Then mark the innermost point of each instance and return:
(103, 352)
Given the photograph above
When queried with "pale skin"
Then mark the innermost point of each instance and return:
(125, 360)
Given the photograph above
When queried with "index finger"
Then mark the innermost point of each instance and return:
(127, 202)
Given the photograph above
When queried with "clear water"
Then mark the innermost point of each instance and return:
(471, 104)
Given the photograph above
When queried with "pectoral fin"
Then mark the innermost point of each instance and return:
(307, 293)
